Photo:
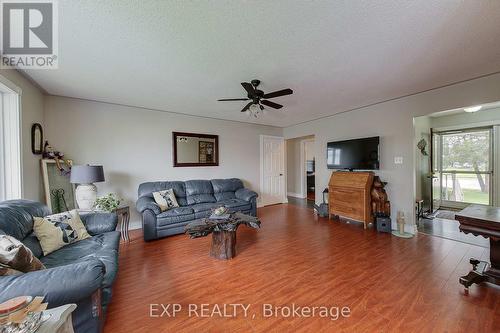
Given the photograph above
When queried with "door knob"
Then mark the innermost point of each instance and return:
(281, 174)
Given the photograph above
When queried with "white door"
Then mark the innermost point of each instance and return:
(272, 189)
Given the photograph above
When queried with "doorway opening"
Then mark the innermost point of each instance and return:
(455, 162)
(301, 170)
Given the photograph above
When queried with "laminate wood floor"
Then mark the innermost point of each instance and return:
(389, 284)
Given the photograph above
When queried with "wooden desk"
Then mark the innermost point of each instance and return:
(349, 196)
(481, 220)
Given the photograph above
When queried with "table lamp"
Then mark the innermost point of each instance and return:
(86, 191)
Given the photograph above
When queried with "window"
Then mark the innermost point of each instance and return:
(10, 142)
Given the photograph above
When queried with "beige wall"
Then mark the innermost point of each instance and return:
(393, 122)
(32, 103)
(135, 145)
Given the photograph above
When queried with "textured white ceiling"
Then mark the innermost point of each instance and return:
(181, 56)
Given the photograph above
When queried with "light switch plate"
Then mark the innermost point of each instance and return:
(398, 160)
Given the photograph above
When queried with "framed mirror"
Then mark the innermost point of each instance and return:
(36, 139)
(193, 149)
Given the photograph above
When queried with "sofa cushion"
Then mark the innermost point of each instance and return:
(176, 212)
(84, 249)
(166, 220)
(147, 189)
(199, 191)
(236, 204)
(225, 188)
(103, 247)
(32, 243)
(16, 216)
(202, 214)
(203, 207)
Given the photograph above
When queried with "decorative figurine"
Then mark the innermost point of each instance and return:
(401, 227)
(381, 206)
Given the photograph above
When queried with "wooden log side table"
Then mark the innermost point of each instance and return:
(223, 232)
(481, 220)
(123, 214)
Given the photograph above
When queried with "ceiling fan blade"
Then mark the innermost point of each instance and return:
(233, 99)
(248, 87)
(279, 93)
(247, 106)
(271, 104)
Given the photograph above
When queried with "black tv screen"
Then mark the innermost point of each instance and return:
(360, 154)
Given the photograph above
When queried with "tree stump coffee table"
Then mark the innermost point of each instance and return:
(223, 232)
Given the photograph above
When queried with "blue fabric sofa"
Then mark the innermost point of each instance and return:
(196, 198)
(81, 273)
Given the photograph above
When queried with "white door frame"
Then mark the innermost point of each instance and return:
(262, 201)
(303, 177)
(11, 175)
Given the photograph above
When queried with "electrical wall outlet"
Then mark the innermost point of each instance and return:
(398, 160)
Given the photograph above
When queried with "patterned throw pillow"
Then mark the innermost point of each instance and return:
(6, 270)
(58, 230)
(15, 258)
(165, 199)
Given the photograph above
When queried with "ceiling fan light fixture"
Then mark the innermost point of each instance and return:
(472, 109)
(258, 98)
(255, 110)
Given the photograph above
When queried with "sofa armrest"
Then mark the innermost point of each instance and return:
(144, 203)
(59, 285)
(99, 223)
(245, 194)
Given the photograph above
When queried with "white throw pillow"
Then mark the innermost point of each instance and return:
(58, 230)
(165, 199)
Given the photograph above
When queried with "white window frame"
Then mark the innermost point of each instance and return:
(11, 182)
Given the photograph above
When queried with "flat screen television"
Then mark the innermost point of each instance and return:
(357, 154)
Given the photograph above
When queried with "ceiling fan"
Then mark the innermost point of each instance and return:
(258, 97)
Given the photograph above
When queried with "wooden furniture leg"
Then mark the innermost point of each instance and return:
(482, 271)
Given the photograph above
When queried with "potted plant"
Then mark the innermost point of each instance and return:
(108, 202)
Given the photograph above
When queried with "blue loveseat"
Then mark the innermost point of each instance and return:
(196, 198)
(80, 273)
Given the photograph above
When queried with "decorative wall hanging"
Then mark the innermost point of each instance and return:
(421, 146)
(36, 139)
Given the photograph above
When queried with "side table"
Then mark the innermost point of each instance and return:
(59, 320)
(123, 213)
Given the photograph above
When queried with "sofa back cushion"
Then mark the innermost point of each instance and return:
(224, 188)
(199, 191)
(16, 220)
(147, 189)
